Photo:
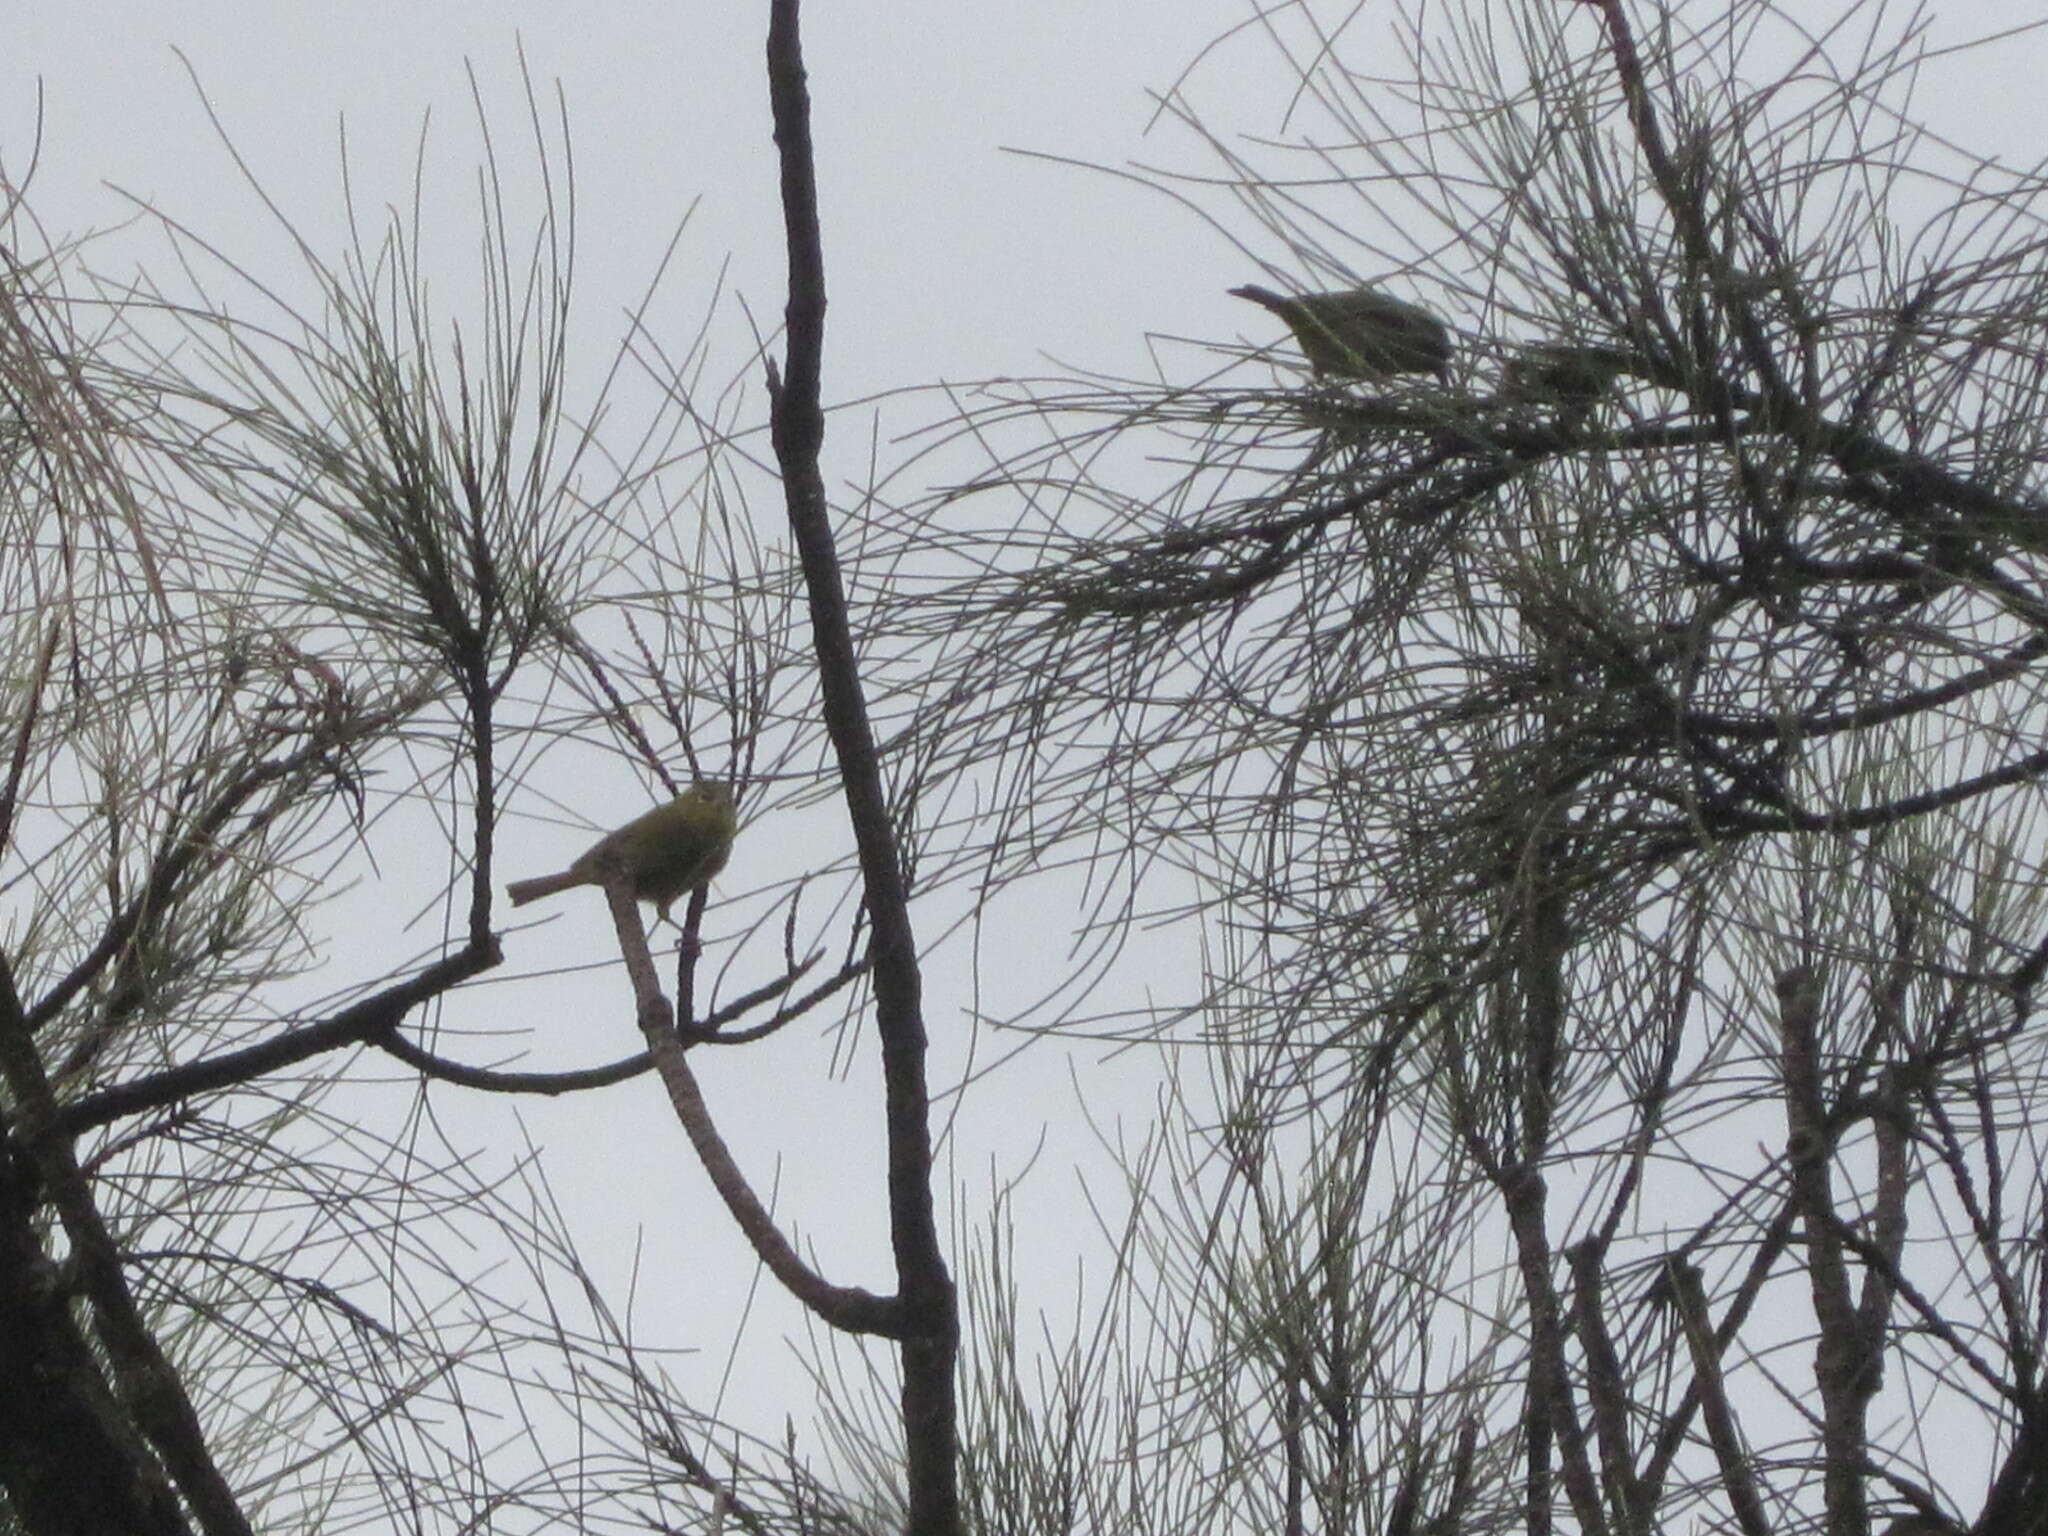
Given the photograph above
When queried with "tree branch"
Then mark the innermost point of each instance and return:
(844, 1307)
(930, 1322)
(147, 1385)
(362, 1021)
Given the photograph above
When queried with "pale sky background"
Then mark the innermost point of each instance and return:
(947, 259)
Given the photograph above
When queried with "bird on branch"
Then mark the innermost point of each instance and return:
(1359, 333)
(1565, 373)
(669, 852)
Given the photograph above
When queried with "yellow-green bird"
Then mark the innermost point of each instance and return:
(1565, 373)
(1360, 333)
(671, 851)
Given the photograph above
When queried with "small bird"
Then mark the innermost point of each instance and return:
(671, 851)
(1360, 333)
(1565, 373)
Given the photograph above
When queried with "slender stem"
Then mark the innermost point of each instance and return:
(930, 1341)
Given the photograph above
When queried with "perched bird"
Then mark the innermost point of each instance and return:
(1564, 373)
(1361, 333)
(672, 850)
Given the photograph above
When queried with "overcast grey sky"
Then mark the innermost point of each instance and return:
(947, 257)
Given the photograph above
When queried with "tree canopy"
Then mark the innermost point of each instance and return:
(1600, 764)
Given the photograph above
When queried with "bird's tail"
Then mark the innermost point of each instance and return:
(1265, 296)
(523, 891)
